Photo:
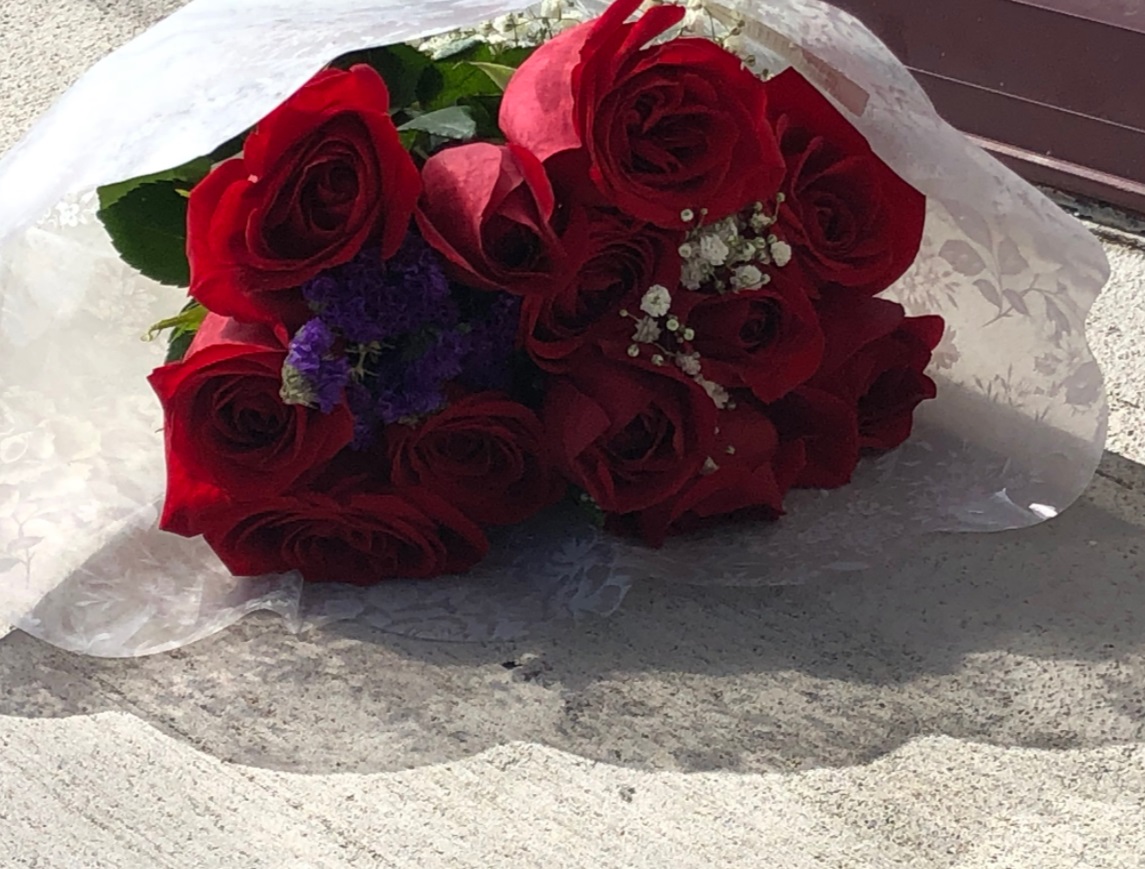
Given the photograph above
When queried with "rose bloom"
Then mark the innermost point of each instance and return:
(489, 211)
(319, 177)
(628, 436)
(485, 454)
(767, 339)
(349, 535)
(667, 126)
(826, 429)
(749, 475)
(620, 259)
(227, 430)
(849, 218)
(876, 361)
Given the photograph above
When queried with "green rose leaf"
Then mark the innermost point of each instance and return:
(180, 344)
(186, 176)
(498, 73)
(148, 226)
(477, 71)
(182, 326)
(455, 123)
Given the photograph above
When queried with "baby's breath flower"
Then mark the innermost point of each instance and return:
(780, 253)
(689, 363)
(552, 9)
(647, 331)
(656, 302)
(694, 273)
(714, 250)
(716, 393)
(747, 278)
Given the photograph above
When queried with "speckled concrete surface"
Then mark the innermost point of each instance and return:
(981, 705)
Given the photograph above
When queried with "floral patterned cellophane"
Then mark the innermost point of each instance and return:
(1012, 439)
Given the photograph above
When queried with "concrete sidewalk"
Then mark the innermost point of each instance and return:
(980, 706)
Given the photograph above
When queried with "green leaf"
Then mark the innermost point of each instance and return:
(498, 73)
(457, 81)
(430, 85)
(182, 326)
(187, 320)
(187, 175)
(180, 344)
(454, 122)
(148, 226)
(408, 138)
(485, 108)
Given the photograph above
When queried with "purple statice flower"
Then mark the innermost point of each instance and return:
(403, 384)
(361, 403)
(371, 301)
(312, 373)
(492, 339)
(416, 386)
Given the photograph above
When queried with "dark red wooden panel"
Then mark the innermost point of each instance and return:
(1055, 87)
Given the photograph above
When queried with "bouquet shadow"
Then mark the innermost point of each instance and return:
(1034, 639)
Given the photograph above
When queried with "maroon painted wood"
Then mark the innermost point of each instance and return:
(1054, 88)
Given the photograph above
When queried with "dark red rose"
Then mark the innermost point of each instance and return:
(629, 437)
(749, 475)
(488, 209)
(319, 177)
(826, 428)
(621, 258)
(766, 339)
(350, 535)
(667, 126)
(227, 428)
(849, 218)
(877, 363)
(485, 454)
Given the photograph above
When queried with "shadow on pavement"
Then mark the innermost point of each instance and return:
(1033, 638)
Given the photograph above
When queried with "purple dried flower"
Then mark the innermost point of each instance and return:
(368, 300)
(312, 373)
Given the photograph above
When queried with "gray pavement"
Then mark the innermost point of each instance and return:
(982, 704)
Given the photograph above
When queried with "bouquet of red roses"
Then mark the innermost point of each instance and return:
(554, 299)
(432, 294)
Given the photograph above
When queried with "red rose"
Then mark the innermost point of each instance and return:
(877, 363)
(826, 429)
(766, 339)
(628, 436)
(488, 209)
(850, 219)
(320, 176)
(226, 427)
(622, 258)
(668, 126)
(485, 454)
(348, 535)
(750, 473)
